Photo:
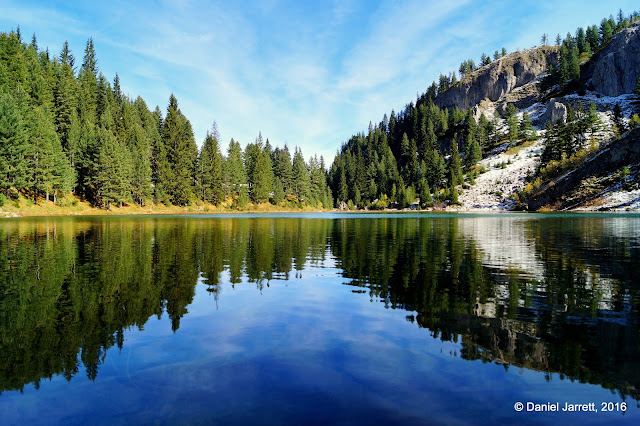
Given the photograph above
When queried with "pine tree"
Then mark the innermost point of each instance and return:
(552, 145)
(50, 171)
(139, 142)
(64, 94)
(185, 156)
(512, 122)
(283, 168)
(475, 154)
(592, 118)
(574, 65)
(234, 174)
(301, 179)
(453, 191)
(13, 148)
(318, 180)
(593, 37)
(526, 130)
(606, 31)
(455, 170)
(426, 200)
(210, 164)
(176, 156)
(343, 189)
(413, 166)
(262, 176)
(66, 57)
(88, 77)
(618, 119)
(278, 191)
(113, 171)
(544, 40)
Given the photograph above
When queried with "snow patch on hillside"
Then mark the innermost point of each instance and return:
(505, 175)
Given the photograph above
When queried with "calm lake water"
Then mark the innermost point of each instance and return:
(322, 318)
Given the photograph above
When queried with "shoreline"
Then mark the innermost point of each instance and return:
(58, 211)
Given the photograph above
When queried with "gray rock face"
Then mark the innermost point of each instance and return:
(555, 111)
(617, 67)
(497, 79)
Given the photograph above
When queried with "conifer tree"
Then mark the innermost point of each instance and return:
(13, 148)
(140, 147)
(426, 200)
(301, 179)
(474, 155)
(618, 119)
(512, 122)
(185, 155)
(50, 171)
(453, 191)
(234, 174)
(343, 190)
(526, 130)
(88, 77)
(113, 171)
(455, 169)
(574, 64)
(278, 191)
(283, 168)
(606, 31)
(262, 175)
(66, 57)
(552, 144)
(176, 156)
(64, 94)
(317, 180)
(210, 164)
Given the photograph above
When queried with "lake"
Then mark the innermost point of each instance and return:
(320, 318)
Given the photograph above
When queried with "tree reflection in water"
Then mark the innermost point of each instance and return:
(554, 294)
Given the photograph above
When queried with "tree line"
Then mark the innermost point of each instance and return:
(67, 129)
(580, 46)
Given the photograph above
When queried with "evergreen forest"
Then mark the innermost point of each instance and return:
(67, 130)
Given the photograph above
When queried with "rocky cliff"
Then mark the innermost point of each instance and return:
(499, 78)
(615, 70)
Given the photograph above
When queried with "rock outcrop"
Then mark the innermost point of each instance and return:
(499, 78)
(615, 70)
(555, 111)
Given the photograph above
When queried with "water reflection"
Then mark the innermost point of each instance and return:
(549, 293)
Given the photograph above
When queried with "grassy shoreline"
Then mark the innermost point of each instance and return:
(74, 207)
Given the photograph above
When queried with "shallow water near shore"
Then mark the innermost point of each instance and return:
(322, 318)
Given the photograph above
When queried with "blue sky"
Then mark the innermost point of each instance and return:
(307, 73)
